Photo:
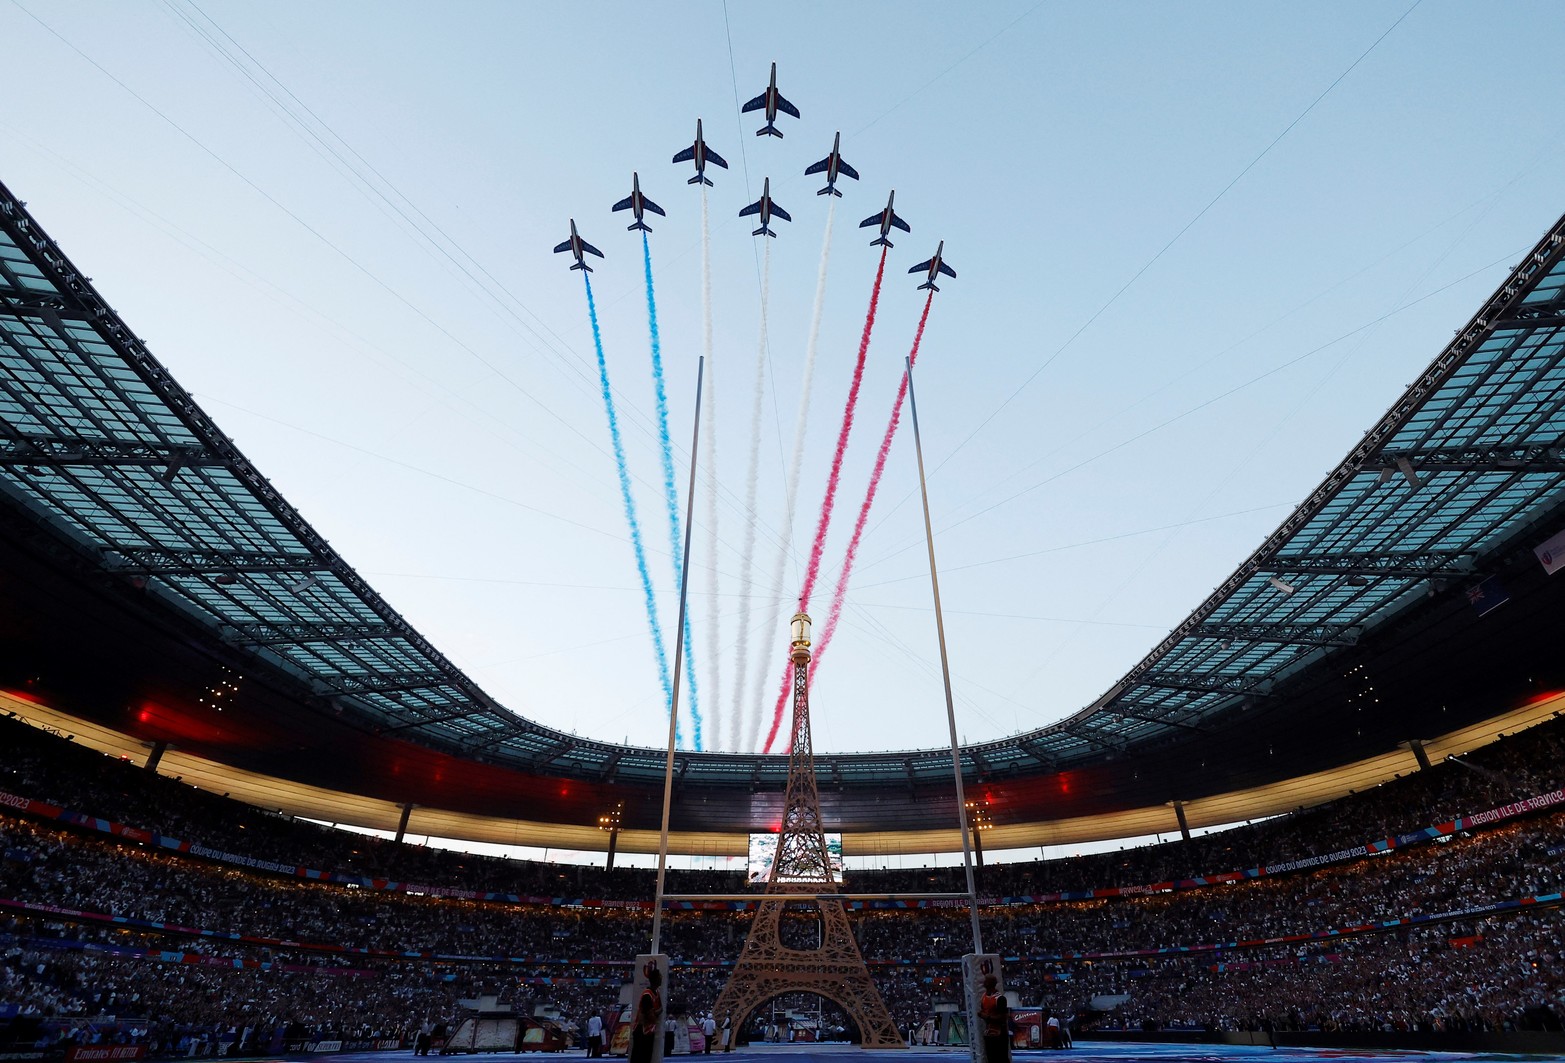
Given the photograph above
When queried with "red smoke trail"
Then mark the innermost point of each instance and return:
(812, 570)
(841, 591)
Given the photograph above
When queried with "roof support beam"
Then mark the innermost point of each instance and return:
(554, 754)
(1200, 683)
(1164, 721)
(1288, 634)
(1409, 565)
(261, 634)
(171, 561)
(21, 450)
(1522, 318)
(1534, 458)
(387, 682)
(611, 767)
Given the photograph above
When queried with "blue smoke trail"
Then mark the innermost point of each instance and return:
(670, 492)
(630, 506)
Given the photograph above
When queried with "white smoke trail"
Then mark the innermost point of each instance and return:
(767, 661)
(752, 487)
(709, 447)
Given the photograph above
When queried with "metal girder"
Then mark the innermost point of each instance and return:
(611, 767)
(1204, 683)
(1532, 458)
(1120, 710)
(445, 718)
(261, 634)
(554, 754)
(19, 449)
(1410, 565)
(1290, 634)
(1029, 745)
(1532, 318)
(169, 561)
(387, 682)
(22, 302)
(1078, 731)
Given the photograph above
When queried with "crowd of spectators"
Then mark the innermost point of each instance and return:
(1494, 972)
(41, 767)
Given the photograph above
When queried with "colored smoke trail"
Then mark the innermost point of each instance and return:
(801, 423)
(752, 487)
(812, 570)
(670, 491)
(841, 591)
(709, 450)
(630, 504)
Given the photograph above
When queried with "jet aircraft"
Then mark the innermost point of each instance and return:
(773, 102)
(885, 219)
(935, 266)
(636, 203)
(834, 167)
(700, 154)
(766, 209)
(576, 245)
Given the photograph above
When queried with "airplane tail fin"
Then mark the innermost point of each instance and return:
(700, 179)
(929, 285)
(643, 226)
(763, 229)
(582, 266)
(830, 190)
(769, 130)
(880, 242)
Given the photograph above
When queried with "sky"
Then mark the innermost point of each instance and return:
(1200, 250)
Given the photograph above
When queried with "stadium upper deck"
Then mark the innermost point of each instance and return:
(137, 538)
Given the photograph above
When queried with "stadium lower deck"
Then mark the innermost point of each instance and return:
(1085, 1051)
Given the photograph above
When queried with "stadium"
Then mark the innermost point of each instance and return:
(196, 681)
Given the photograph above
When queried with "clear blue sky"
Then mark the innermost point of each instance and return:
(1105, 454)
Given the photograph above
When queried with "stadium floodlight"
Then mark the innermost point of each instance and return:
(1282, 585)
(304, 584)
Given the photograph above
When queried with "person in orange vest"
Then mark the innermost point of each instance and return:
(649, 1012)
(993, 1015)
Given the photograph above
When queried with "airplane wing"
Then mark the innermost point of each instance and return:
(778, 212)
(923, 267)
(873, 219)
(947, 270)
(785, 107)
(900, 224)
(754, 105)
(818, 167)
(566, 246)
(623, 204)
(689, 154)
(715, 159)
(846, 170)
(585, 246)
(753, 208)
(653, 207)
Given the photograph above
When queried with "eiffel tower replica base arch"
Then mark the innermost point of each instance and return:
(836, 970)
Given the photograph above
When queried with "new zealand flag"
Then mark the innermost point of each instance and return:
(1487, 596)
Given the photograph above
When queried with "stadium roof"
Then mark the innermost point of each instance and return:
(102, 447)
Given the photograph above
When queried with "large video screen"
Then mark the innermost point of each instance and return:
(763, 850)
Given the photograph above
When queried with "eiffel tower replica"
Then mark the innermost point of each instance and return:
(767, 968)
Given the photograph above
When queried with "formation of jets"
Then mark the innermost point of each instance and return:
(834, 166)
